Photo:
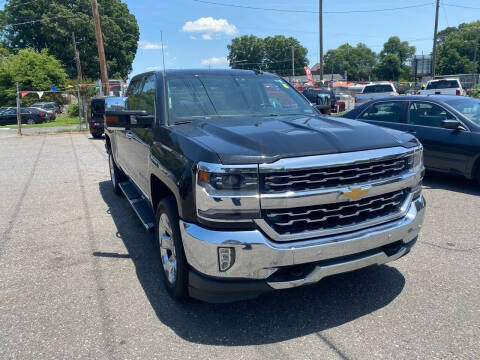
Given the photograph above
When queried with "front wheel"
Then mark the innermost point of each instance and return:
(116, 175)
(169, 243)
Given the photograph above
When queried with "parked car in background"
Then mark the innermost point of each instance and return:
(375, 91)
(97, 113)
(28, 116)
(51, 106)
(323, 98)
(447, 126)
(51, 115)
(443, 87)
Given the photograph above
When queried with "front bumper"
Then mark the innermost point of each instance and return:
(260, 260)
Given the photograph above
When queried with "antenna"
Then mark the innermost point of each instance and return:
(163, 51)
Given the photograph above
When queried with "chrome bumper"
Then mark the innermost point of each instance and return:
(257, 257)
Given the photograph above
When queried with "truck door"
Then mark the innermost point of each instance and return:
(123, 143)
(141, 139)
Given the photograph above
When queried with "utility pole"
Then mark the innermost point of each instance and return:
(19, 117)
(79, 108)
(293, 64)
(77, 59)
(101, 49)
(475, 50)
(434, 52)
(320, 32)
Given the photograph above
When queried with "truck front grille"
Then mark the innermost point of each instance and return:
(337, 176)
(338, 215)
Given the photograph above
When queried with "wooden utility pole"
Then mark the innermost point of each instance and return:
(434, 52)
(320, 32)
(19, 116)
(101, 49)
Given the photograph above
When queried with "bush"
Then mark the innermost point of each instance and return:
(72, 110)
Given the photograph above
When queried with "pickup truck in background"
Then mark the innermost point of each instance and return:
(375, 91)
(443, 87)
(250, 190)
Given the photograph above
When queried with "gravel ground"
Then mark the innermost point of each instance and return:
(79, 278)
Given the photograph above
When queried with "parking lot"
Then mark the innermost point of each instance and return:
(79, 278)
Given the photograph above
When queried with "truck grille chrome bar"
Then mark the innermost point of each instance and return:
(300, 180)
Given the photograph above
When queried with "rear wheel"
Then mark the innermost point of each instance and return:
(30, 122)
(116, 175)
(478, 174)
(169, 243)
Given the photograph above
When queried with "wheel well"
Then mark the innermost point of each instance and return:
(158, 190)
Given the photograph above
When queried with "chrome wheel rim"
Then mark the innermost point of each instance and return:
(112, 171)
(167, 249)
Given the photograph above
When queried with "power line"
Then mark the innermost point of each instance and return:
(41, 19)
(311, 11)
(16, 6)
(458, 6)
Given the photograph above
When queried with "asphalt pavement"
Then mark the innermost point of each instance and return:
(79, 278)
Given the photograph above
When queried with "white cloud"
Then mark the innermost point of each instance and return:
(150, 45)
(215, 61)
(208, 26)
(155, 68)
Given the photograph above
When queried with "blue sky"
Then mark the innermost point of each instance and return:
(205, 42)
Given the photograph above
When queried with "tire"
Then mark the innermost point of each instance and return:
(97, 135)
(116, 175)
(30, 122)
(169, 243)
(477, 177)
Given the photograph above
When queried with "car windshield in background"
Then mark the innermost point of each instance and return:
(443, 84)
(377, 89)
(232, 96)
(470, 108)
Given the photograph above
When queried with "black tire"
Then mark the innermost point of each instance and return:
(177, 289)
(30, 122)
(116, 175)
(477, 178)
(97, 135)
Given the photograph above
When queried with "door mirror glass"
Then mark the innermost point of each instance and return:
(115, 103)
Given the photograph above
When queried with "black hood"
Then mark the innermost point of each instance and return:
(265, 140)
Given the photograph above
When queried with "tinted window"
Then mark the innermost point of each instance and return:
(443, 84)
(146, 98)
(427, 114)
(132, 92)
(25, 111)
(377, 89)
(470, 108)
(10, 112)
(229, 96)
(385, 111)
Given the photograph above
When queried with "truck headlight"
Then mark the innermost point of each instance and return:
(227, 192)
(415, 161)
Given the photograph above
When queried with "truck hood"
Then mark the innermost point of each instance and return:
(265, 140)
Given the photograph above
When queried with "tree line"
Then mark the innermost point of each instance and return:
(455, 55)
(37, 49)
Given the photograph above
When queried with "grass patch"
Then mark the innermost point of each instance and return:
(61, 120)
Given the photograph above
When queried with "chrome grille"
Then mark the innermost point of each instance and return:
(337, 176)
(337, 215)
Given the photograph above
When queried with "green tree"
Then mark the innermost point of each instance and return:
(246, 52)
(455, 49)
(273, 54)
(59, 18)
(278, 55)
(394, 60)
(32, 70)
(358, 61)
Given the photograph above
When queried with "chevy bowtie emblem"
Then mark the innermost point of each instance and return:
(355, 194)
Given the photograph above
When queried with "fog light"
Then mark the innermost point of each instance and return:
(226, 258)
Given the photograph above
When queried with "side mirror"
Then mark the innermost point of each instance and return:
(115, 103)
(452, 125)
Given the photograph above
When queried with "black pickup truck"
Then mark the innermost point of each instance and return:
(249, 189)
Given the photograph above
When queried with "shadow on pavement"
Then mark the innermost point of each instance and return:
(434, 180)
(271, 318)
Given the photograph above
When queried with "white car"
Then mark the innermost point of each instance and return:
(375, 91)
(443, 87)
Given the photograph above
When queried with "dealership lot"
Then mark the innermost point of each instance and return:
(79, 278)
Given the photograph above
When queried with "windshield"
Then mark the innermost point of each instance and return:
(377, 89)
(470, 108)
(232, 96)
(443, 84)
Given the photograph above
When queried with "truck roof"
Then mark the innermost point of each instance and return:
(192, 72)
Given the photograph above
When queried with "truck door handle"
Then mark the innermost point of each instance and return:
(129, 134)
